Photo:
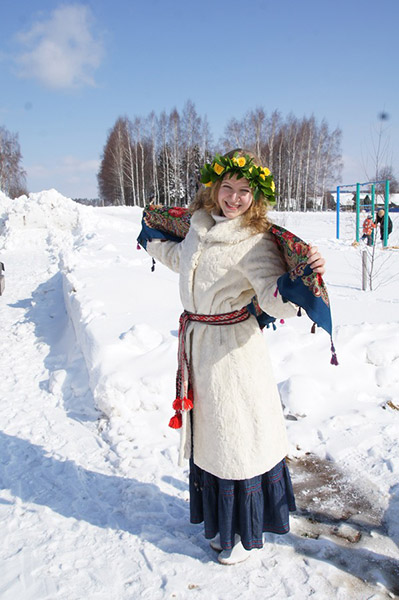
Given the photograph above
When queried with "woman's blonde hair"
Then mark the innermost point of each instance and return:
(256, 215)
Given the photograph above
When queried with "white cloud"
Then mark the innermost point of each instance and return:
(61, 51)
(73, 164)
(72, 176)
(37, 171)
(65, 165)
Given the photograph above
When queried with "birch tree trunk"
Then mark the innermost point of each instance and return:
(274, 120)
(174, 121)
(155, 182)
(317, 158)
(310, 130)
(257, 120)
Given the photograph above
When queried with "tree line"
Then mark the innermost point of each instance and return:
(12, 175)
(158, 158)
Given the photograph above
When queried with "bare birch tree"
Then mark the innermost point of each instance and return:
(164, 157)
(177, 190)
(257, 121)
(155, 182)
(190, 138)
(111, 177)
(12, 175)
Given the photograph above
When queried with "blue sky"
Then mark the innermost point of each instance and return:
(68, 70)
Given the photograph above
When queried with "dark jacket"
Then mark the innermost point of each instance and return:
(380, 221)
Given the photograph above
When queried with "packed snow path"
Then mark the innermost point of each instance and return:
(95, 507)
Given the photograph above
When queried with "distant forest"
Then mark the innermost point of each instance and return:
(158, 158)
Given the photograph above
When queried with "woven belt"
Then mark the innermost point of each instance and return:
(184, 393)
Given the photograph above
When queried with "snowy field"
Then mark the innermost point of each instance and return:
(92, 502)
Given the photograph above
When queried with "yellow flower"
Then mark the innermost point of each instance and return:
(266, 171)
(262, 175)
(218, 169)
(208, 184)
(241, 161)
(273, 186)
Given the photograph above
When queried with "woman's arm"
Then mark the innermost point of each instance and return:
(167, 252)
(262, 266)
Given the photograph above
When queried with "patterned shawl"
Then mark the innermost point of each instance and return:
(299, 285)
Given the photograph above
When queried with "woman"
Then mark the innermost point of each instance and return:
(235, 434)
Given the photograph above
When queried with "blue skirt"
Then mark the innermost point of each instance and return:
(248, 507)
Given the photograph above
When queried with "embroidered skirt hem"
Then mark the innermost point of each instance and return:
(248, 507)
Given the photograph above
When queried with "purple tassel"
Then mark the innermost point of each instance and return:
(282, 321)
(138, 247)
(275, 292)
(334, 360)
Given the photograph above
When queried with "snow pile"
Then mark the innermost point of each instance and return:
(108, 293)
(49, 210)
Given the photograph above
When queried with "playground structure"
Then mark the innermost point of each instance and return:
(368, 207)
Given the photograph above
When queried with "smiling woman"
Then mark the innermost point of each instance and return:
(227, 403)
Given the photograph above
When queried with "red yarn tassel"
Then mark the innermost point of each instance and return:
(282, 322)
(176, 421)
(138, 247)
(275, 292)
(187, 403)
(177, 404)
(183, 403)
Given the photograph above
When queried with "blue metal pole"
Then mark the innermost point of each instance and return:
(372, 200)
(338, 203)
(372, 209)
(386, 206)
(357, 211)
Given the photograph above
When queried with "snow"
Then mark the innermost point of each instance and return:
(92, 502)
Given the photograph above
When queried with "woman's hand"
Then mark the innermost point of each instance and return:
(316, 261)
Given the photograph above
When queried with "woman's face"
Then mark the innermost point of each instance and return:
(234, 197)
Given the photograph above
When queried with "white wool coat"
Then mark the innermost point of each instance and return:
(238, 425)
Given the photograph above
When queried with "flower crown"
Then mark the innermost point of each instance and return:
(259, 178)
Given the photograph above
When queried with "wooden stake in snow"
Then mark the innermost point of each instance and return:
(364, 270)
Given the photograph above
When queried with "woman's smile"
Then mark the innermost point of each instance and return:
(234, 197)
